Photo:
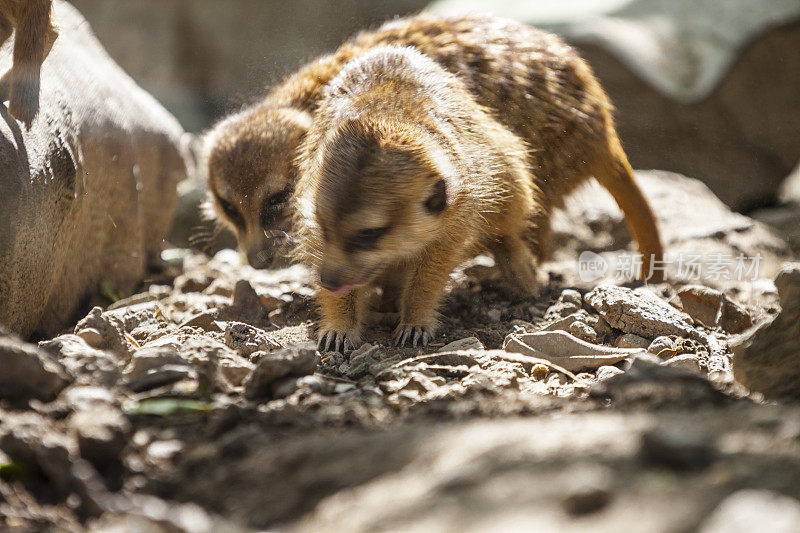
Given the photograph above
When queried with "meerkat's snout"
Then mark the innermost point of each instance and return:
(381, 206)
(251, 181)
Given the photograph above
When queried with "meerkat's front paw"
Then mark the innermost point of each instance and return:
(334, 340)
(414, 334)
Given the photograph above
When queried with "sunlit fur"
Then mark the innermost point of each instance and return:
(247, 165)
(34, 38)
(393, 125)
(533, 83)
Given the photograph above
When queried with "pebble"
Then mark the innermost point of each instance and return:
(687, 361)
(605, 373)
(26, 371)
(677, 449)
(588, 491)
(149, 358)
(468, 343)
(749, 510)
(539, 371)
(102, 432)
(661, 343)
(247, 339)
(629, 340)
(639, 311)
(92, 337)
(494, 315)
(275, 365)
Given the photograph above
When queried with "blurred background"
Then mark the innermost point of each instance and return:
(706, 88)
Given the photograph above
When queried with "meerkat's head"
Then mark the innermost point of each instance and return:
(380, 197)
(251, 177)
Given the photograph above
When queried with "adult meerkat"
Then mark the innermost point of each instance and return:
(533, 83)
(34, 38)
(401, 177)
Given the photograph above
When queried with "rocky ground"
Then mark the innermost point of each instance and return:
(199, 404)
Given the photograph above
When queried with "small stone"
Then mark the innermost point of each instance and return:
(570, 301)
(150, 358)
(749, 510)
(479, 381)
(605, 373)
(588, 491)
(660, 344)
(468, 343)
(677, 449)
(81, 398)
(26, 371)
(361, 359)
(92, 337)
(556, 380)
(164, 449)
(275, 365)
(193, 281)
(629, 340)
(639, 311)
(102, 433)
(734, 318)
(583, 331)
(539, 371)
(111, 329)
(247, 339)
(687, 361)
(90, 366)
(248, 306)
(701, 303)
(206, 321)
(159, 377)
(494, 315)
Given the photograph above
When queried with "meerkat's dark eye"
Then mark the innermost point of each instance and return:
(437, 201)
(273, 207)
(366, 239)
(231, 212)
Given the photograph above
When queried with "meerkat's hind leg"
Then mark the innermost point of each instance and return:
(517, 263)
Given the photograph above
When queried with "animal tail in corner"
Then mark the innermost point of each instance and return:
(616, 175)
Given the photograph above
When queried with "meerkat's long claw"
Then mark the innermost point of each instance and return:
(340, 342)
(348, 346)
(321, 342)
(426, 338)
(417, 335)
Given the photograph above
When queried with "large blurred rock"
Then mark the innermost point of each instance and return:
(88, 193)
(703, 87)
(704, 241)
(768, 360)
(202, 58)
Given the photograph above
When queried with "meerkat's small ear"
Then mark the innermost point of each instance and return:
(438, 199)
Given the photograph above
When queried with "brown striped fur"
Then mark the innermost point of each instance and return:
(401, 177)
(533, 83)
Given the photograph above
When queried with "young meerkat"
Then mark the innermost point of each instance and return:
(533, 83)
(33, 41)
(401, 177)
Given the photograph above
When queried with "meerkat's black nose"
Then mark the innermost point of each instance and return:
(331, 279)
(259, 258)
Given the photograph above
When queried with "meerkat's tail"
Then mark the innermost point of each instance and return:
(616, 175)
(34, 39)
